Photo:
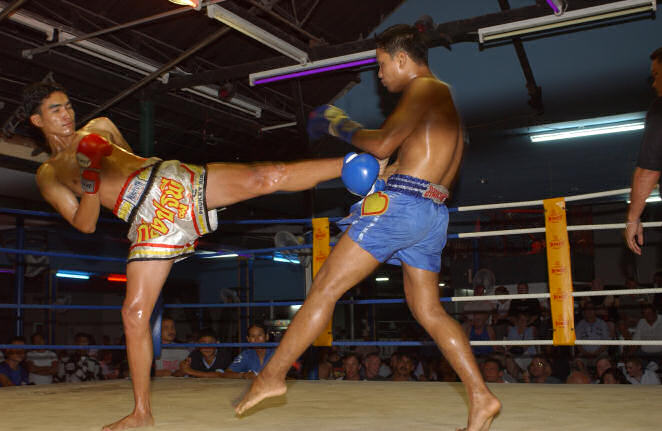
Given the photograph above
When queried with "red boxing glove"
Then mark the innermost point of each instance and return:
(91, 150)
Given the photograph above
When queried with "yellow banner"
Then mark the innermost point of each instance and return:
(559, 270)
(321, 250)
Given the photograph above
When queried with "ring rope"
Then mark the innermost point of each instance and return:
(539, 202)
(542, 230)
(340, 343)
(344, 302)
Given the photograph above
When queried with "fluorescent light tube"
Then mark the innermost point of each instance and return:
(589, 131)
(381, 279)
(261, 77)
(580, 16)
(73, 274)
(285, 260)
(249, 29)
(315, 71)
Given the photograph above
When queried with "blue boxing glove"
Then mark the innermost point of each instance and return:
(359, 173)
(329, 120)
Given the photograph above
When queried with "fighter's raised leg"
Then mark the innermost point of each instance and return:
(347, 265)
(229, 183)
(144, 282)
(422, 294)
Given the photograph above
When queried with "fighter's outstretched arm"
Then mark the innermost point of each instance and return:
(413, 104)
(82, 215)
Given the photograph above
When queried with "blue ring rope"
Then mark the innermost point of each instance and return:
(233, 305)
(193, 345)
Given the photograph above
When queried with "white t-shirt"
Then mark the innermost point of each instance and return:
(170, 359)
(41, 359)
(644, 331)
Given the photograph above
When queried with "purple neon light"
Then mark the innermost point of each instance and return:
(553, 6)
(6, 271)
(314, 71)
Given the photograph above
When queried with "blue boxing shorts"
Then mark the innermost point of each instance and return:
(406, 222)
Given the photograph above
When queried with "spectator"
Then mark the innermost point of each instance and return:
(169, 362)
(613, 376)
(109, 369)
(636, 374)
(578, 373)
(501, 307)
(492, 371)
(78, 366)
(471, 308)
(521, 355)
(207, 362)
(649, 328)
(578, 378)
(330, 363)
(539, 371)
(530, 306)
(629, 306)
(42, 364)
(591, 327)
(657, 298)
(251, 361)
(404, 367)
(351, 367)
(479, 331)
(13, 371)
(371, 365)
(602, 364)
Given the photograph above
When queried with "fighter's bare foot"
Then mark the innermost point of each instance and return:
(484, 409)
(134, 420)
(260, 389)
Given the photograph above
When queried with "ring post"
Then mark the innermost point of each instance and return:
(559, 270)
(321, 250)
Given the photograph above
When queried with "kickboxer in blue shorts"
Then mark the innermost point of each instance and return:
(405, 223)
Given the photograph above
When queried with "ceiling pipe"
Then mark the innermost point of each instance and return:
(11, 8)
(195, 48)
(30, 52)
(117, 57)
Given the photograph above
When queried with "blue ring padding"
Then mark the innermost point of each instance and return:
(453, 235)
(237, 304)
(192, 345)
(275, 221)
(58, 254)
(47, 214)
(155, 324)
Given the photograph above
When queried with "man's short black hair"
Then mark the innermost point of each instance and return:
(207, 332)
(34, 95)
(657, 55)
(403, 37)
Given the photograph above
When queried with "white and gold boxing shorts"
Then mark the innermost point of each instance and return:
(164, 202)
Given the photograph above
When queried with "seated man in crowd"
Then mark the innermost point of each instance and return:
(13, 371)
(371, 366)
(41, 363)
(169, 362)
(649, 327)
(637, 375)
(79, 366)
(207, 362)
(351, 367)
(403, 367)
(251, 361)
(492, 371)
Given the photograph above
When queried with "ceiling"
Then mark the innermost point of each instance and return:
(501, 90)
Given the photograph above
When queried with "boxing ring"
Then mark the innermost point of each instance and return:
(203, 404)
(206, 404)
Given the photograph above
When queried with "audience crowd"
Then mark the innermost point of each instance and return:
(605, 317)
